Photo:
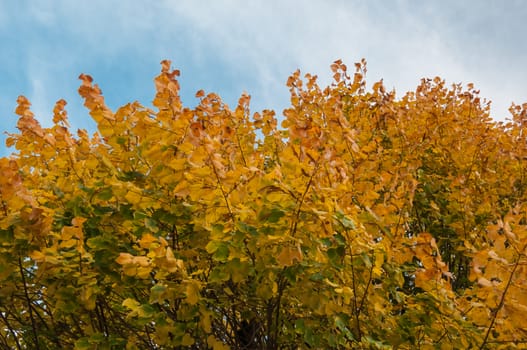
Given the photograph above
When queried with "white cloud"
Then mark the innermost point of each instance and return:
(261, 42)
(41, 89)
(43, 13)
(274, 38)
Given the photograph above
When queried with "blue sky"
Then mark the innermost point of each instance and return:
(233, 46)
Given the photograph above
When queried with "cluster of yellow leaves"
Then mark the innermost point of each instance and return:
(158, 256)
(364, 221)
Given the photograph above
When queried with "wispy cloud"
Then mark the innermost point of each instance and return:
(269, 40)
(232, 46)
(403, 41)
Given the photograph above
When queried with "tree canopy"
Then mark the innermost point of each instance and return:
(358, 220)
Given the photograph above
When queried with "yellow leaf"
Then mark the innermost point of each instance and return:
(185, 147)
(289, 255)
(142, 261)
(171, 264)
(37, 256)
(143, 272)
(482, 281)
(133, 197)
(187, 340)
(68, 244)
(169, 253)
(177, 164)
(202, 172)
(377, 267)
(206, 321)
(124, 258)
(515, 314)
(182, 189)
(192, 292)
(68, 232)
(331, 284)
(216, 344)
(108, 164)
(131, 303)
(492, 254)
(276, 197)
(130, 270)
(346, 292)
(265, 291)
(378, 307)
(78, 221)
(88, 297)
(147, 240)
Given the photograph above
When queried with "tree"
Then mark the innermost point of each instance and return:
(364, 221)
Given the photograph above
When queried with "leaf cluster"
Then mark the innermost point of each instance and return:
(362, 221)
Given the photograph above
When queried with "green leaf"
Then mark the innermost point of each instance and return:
(299, 326)
(131, 304)
(335, 255)
(218, 275)
(310, 338)
(343, 327)
(238, 270)
(100, 210)
(270, 215)
(157, 293)
(132, 176)
(97, 338)
(340, 239)
(98, 243)
(218, 249)
(146, 311)
(83, 344)
(105, 194)
(345, 221)
(317, 277)
(243, 227)
(151, 225)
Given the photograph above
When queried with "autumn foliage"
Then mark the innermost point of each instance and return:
(358, 220)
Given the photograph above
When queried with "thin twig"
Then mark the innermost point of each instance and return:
(502, 302)
(29, 306)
